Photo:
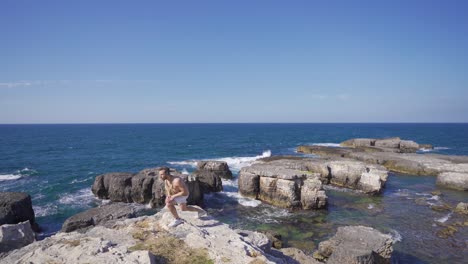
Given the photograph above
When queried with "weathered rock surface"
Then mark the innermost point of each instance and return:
(297, 183)
(278, 183)
(453, 180)
(99, 216)
(210, 173)
(15, 236)
(452, 171)
(16, 207)
(148, 240)
(357, 244)
(144, 187)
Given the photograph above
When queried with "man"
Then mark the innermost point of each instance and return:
(176, 193)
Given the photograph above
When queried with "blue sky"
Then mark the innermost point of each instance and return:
(233, 61)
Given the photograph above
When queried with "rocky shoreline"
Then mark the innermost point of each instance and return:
(118, 233)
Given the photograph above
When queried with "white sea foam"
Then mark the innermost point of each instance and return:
(184, 171)
(370, 206)
(444, 219)
(396, 236)
(234, 163)
(434, 149)
(243, 200)
(45, 210)
(80, 198)
(78, 181)
(9, 177)
(190, 163)
(441, 148)
(333, 145)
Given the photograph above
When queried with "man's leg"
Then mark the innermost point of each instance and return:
(172, 209)
(185, 207)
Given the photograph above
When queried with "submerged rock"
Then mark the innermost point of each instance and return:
(357, 244)
(462, 208)
(16, 207)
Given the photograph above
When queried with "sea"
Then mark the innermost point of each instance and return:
(57, 164)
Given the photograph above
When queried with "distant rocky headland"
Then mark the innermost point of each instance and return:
(117, 232)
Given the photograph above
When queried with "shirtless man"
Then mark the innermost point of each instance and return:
(176, 193)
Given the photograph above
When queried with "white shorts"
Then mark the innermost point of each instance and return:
(180, 199)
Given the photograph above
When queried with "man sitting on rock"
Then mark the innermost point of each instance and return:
(176, 193)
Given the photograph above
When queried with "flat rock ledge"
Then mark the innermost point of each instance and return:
(451, 171)
(148, 239)
(356, 245)
(293, 182)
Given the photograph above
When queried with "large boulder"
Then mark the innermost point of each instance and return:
(358, 175)
(408, 146)
(210, 173)
(388, 142)
(99, 216)
(453, 180)
(15, 236)
(277, 184)
(356, 245)
(16, 207)
(144, 187)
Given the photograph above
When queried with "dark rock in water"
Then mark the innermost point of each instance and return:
(144, 187)
(99, 216)
(15, 236)
(16, 207)
(357, 244)
(210, 173)
(274, 238)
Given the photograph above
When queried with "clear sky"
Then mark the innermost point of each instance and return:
(233, 61)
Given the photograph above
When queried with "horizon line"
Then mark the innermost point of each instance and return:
(221, 123)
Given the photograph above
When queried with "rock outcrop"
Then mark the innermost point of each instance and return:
(297, 183)
(452, 171)
(394, 144)
(148, 239)
(453, 180)
(282, 186)
(16, 207)
(144, 187)
(210, 173)
(99, 216)
(15, 236)
(357, 245)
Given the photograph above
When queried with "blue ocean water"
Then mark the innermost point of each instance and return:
(57, 164)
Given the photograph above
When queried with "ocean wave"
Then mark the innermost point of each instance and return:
(333, 145)
(81, 198)
(45, 210)
(79, 181)
(434, 149)
(9, 177)
(17, 174)
(396, 236)
(190, 163)
(234, 163)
